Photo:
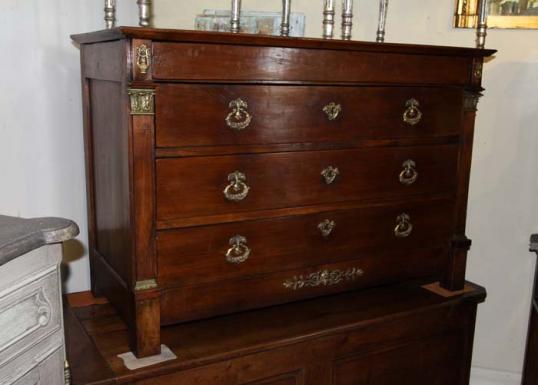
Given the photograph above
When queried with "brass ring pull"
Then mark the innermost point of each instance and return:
(239, 251)
(326, 227)
(329, 174)
(412, 114)
(404, 227)
(239, 118)
(332, 110)
(409, 174)
(237, 190)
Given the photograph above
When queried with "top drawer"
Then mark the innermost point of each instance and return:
(209, 62)
(213, 115)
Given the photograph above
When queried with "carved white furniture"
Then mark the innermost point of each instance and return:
(31, 325)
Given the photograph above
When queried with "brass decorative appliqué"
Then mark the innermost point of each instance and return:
(470, 101)
(143, 58)
(323, 278)
(142, 101)
(146, 285)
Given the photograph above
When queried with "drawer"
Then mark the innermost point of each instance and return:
(208, 62)
(205, 115)
(201, 301)
(230, 185)
(29, 313)
(203, 254)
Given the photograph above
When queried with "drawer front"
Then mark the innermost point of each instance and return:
(206, 62)
(205, 115)
(29, 313)
(207, 300)
(203, 254)
(202, 186)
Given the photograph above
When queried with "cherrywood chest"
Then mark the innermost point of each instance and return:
(232, 172)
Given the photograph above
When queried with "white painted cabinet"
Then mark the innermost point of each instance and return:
(31, 323)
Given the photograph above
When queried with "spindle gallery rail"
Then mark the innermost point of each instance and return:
(145, 16)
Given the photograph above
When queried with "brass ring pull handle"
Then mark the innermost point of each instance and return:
(412, 114)
(404, 227)
(239, 251)
(237, 190)
(409, 174)
(326, 227)
(329, 174)
(239, 118)
(332, 110)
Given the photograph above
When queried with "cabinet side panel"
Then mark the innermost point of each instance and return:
(111, 176)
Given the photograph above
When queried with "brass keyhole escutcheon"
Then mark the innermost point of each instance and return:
(332, 110)
(330, 174)
(326, 227)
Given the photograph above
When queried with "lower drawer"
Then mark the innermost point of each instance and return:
(203, 301)
(197, 255)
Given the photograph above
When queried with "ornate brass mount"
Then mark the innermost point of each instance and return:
(148, 284)
(404, 227)
(142, 101)
(143, 58)
(237, 190)
(409, 174)
(329, 174)
(326, 227)
(323, 278)
(239, 118)
(332, 110)
(412, 115)
(477, 70)
(239, 251)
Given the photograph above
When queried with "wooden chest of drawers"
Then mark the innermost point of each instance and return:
(232, 172)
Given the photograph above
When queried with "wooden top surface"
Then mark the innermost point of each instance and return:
(95, 334)
(188, 36)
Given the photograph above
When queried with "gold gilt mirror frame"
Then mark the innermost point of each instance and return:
(501, 14)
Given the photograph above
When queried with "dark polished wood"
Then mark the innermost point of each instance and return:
(294, 114)
(190, 36)
(401, 334)
(293, 179)
(280, 244)
(178, 61)
(160, 223)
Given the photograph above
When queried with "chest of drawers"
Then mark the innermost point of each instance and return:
(232, 172)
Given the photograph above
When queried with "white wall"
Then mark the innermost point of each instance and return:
(41, 135)
(41, 146)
